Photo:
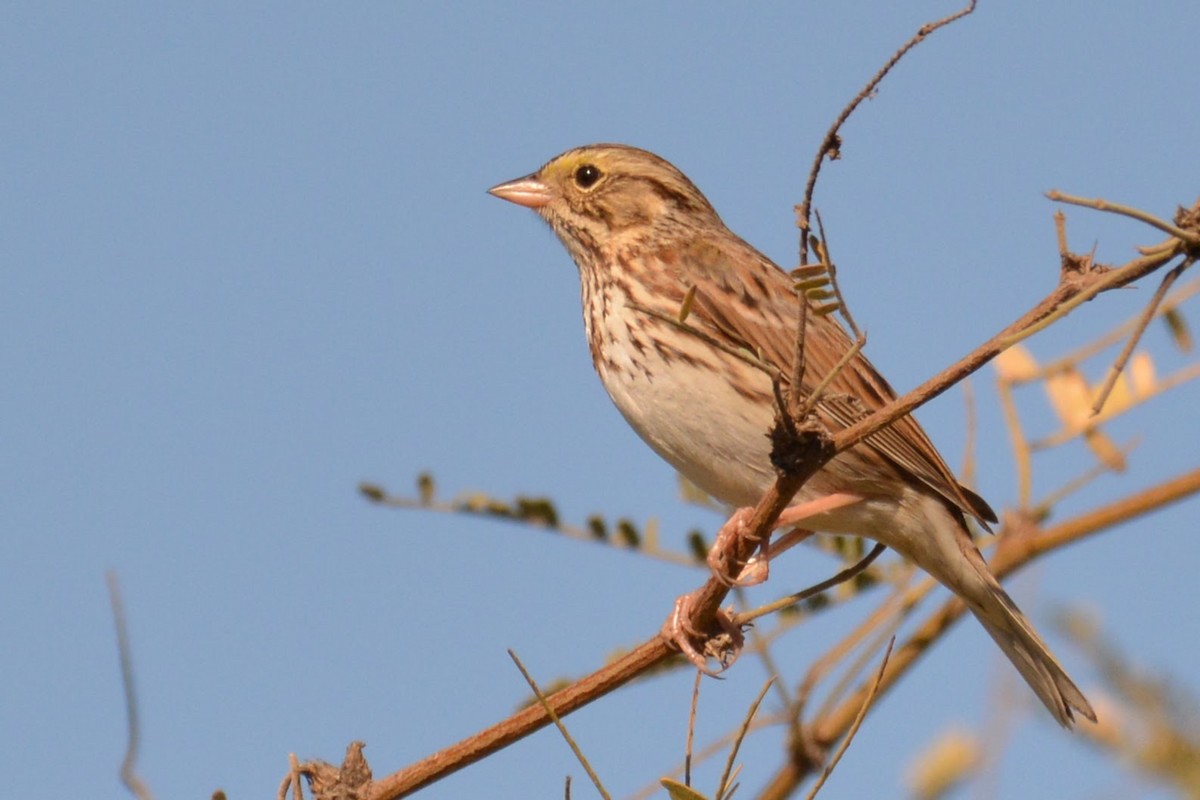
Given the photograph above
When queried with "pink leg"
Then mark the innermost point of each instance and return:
(728, 644)
(733, 529)
(822, 505)
(756, 570)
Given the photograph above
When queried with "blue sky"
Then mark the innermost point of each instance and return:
(247, 261)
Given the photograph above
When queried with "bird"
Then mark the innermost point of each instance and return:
(646, 243)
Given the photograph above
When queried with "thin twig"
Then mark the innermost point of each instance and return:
(1107, 516)
(793, 412)
(1191, 237)
(691, 729)
(1043, 507)
(818, 391)
(1068, 295)
(783, 404)
(1177, 378)
(137, 787)
(891, 611)
(862, 713)
(1060, 235)
(831, 142)
(294, 780)
(1110, 279)
(1151, 309)
(711, 750)
(874, 641)
(829, 147)
(843, 306)
(799, 597)
(760, 645)
(509, 512)
(1118, 332)
(1022, 456)
(727, 774)
(562, 729)
(896, 571)
(967, 472)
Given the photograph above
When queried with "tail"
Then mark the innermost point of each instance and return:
(939, 544)
(1010, 629)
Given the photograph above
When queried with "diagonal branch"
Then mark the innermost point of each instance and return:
(1073, 290)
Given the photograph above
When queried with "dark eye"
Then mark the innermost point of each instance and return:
(586, 176)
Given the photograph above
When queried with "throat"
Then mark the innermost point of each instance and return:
(617, 335)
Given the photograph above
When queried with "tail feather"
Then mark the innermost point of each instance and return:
(942, 547)
(1032, 658)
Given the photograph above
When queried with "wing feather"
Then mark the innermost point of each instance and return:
(764, 322)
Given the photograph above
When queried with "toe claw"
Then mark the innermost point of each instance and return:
(724, 647)
(756, 571)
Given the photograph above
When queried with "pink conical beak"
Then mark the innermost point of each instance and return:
(528, 191)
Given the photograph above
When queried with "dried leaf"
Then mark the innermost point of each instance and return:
(1069, 396)
(498, 508)
(827, 309)
(426, 488)
(650, 534)
(685, 308)
(678, 791)
(1114, 727)
(1119, 399)
(1105, 450)
(950, 760)
(691, 493)
(372, 491)
(1178, 328)
(597, 527)
(1016, 364)
(808, 272)
(473, 501)
(810, 284)
(537, 509)
(627, 532)
(1141, 372)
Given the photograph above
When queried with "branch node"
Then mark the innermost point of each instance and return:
(795, 447)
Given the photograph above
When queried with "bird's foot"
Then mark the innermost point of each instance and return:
(758, 568)
(724, 647)
(751, 573)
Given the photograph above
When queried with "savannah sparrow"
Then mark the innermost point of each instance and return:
(642, 235)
